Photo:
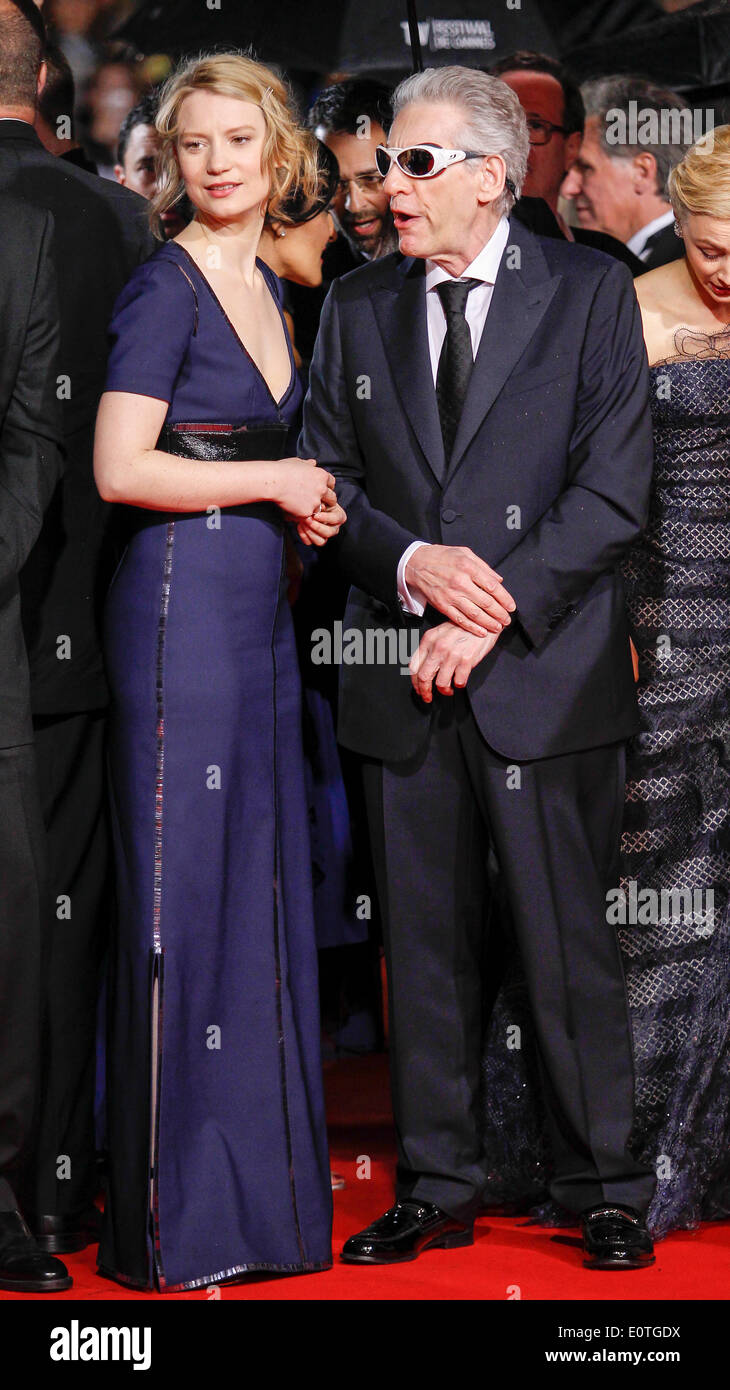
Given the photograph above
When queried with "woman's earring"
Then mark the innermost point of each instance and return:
(281, 233)
(677, 229)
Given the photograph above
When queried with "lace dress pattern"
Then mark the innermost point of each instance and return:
(676, 841)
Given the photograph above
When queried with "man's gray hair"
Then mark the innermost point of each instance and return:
(619, 103)
(494, 121)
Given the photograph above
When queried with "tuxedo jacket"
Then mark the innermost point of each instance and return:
(664, 246)
(30, 432)
(611, 246)
(548, 482)
(100, 233)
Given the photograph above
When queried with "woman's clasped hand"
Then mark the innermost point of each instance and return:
(306, 493)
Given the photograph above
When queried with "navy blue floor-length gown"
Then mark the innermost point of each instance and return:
(218, 1156)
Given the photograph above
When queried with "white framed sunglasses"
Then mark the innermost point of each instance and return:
(424, 161)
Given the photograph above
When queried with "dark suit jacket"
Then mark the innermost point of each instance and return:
(556, 424)
(664, 246)
(77, 155)
(30, 432)
(100, 234)
(601, 241)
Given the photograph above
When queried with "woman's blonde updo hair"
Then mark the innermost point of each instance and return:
(700, 183)
(289, 152)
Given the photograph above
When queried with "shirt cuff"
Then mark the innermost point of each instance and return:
(411, 600)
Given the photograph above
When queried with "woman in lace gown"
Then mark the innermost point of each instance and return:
(677, 822)
(674, 923)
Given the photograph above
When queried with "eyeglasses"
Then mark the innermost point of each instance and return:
(541, 132)
(367, 183)
(425, 161)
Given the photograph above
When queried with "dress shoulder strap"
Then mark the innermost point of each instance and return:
(272, 280)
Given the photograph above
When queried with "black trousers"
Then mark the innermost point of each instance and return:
(70, 753)
(22, 866)
(555, 828)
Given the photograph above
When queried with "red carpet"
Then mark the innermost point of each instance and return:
(510, 1258)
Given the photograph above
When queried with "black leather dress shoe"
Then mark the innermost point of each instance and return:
(62, 1235)
(23, 1267)
(615, 1238)
(404, 1232)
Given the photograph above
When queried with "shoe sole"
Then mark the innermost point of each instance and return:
(64, 1245)
(451, 1242)
(36, 1285)
(619, 1264)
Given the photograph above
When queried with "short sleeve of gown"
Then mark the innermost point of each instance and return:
(150, 330)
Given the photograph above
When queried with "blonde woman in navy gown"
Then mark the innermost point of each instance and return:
(218, 1155)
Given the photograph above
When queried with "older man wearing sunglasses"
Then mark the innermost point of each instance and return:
(482, 399)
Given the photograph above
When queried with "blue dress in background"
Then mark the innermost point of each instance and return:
(218, 1154)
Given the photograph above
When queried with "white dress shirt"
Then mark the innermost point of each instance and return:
(637, 243)
(484, 268)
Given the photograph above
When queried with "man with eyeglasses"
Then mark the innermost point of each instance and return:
(350, 118)
(555, 113)
(482, 399)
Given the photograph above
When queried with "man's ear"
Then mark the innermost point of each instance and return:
(119, 174)
(644, 168)
(42, 77)
(492, 173)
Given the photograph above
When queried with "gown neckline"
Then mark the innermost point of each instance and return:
(670, 361)
(236, 334)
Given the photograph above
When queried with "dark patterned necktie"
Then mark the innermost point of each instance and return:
(456, 360)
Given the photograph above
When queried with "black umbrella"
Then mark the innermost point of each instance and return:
(355, 36)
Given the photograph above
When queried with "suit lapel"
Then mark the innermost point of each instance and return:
(400, 311)
(519, 300)
(522, 293)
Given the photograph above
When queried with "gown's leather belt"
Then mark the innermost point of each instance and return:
(231, 443)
